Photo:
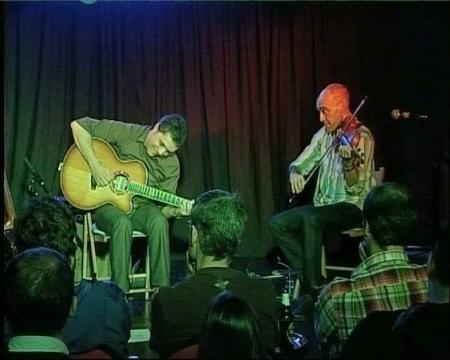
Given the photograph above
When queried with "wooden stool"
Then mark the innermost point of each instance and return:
(91, 235)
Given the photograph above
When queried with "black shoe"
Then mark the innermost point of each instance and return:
(303, 307)
(312, 291)
(317, 289)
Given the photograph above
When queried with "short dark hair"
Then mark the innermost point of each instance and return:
(390, 212)
(176, 125)
(230, 330)
(219, 217)
(46, 222)
(39, 284)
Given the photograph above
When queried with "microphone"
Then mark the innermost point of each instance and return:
(36, 178)
(397, 114)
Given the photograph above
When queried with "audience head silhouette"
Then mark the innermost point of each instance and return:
(218, 218)
(421, 332)
(39, 284)
(230, 330)
(390, 215)
(439, 260)
(49, 223)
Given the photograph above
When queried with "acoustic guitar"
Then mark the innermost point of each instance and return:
(130, 176)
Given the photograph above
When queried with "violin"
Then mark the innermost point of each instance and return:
(349, 134)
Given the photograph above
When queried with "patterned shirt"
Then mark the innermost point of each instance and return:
(331, 186)
(385, 281)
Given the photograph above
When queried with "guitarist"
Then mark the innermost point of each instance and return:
(156, 147)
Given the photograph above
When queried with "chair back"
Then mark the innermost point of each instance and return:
(379, 175)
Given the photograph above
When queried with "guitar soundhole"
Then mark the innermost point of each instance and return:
(119, 184)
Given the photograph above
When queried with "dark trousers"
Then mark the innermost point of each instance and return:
(299, 233)
(147, 219)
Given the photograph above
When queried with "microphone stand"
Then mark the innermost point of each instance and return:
(36, 178)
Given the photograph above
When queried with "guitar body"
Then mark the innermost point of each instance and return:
(78, 185)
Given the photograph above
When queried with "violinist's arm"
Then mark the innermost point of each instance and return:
(351, 172)
(305, 163)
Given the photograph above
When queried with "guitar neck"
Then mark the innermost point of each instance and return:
(155, 194)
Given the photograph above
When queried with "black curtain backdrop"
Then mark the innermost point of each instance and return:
(245, 75)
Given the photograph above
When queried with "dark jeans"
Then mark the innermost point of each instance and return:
(299, 233)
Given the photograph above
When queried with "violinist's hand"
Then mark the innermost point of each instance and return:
(297, 182)
(345, 152)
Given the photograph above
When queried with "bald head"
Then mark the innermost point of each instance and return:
(333, 106)
(336, 94)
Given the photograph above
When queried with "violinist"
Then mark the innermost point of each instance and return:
(342, 150)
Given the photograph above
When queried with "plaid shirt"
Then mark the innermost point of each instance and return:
(385, 281)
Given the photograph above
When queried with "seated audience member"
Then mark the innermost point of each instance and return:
(218, 220)
(423, 331)
(101, 316)
(384, 281)
(230, 330)
(372, 338)
(39, 284)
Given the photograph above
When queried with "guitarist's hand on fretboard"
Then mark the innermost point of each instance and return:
(187, 208)
(184, 210)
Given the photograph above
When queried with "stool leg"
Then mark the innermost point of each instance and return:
(323, 263)
(92, 243)
(146, 289)
(147, 272)
(296, 292)
(85, 241)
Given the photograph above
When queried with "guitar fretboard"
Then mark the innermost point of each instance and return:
(155, 194)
